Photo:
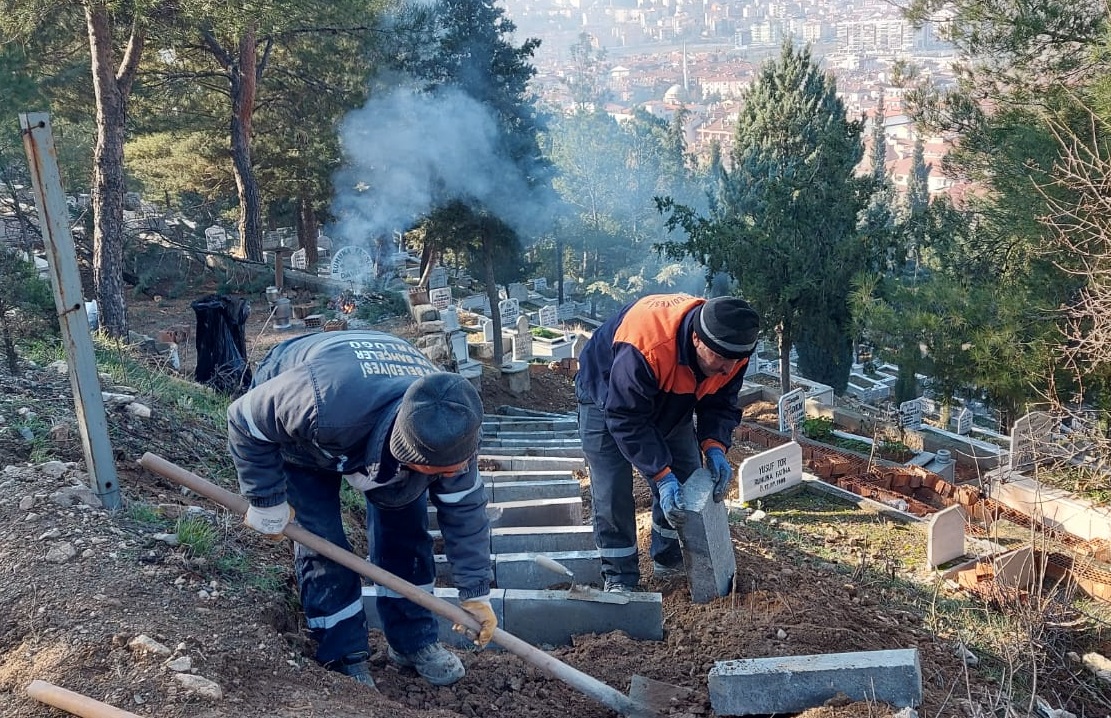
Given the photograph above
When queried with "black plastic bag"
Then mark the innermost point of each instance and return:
(222, 343)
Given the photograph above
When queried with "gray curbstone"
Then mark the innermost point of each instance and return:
(707, 545)
(791, 684)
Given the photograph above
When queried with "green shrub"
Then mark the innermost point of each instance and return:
(27, 311)
(196, 534)
(818, 428)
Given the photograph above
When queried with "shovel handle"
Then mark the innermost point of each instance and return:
(552, 565)
(589, 686)
(75, 703)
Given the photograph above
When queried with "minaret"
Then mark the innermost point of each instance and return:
(686, 78)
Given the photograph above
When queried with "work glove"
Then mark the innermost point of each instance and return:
(722, 471)
(483, 613)
(671, 500)
(269, 521)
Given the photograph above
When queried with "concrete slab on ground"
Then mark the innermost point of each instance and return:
(514, 462)
(791, 684)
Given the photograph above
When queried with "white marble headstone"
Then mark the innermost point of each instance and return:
(792, 409)
(771, 471)
(945, 536)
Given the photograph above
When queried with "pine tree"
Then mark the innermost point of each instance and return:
(784, 223)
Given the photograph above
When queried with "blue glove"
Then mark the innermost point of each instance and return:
(671, 500)
(721, 469)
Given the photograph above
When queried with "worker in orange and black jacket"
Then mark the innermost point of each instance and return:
(657, 390)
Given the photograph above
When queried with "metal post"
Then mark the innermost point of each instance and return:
(42, 161)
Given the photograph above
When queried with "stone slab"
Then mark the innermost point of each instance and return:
(534, 451)
(509, 462)
(707, 545)
(791, 684)
(542, 539)
(549, 618)
(539, 443)
(506, 491)
(520, 570)
(543, 512)
(518, 424)
(496, 476)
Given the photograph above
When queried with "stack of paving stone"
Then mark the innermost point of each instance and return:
(528, 461)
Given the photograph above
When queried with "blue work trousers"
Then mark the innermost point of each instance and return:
(331, 594)
(611, 489)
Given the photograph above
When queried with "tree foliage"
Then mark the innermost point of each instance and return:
(784, 219)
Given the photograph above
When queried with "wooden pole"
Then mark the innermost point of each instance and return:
(74, 703)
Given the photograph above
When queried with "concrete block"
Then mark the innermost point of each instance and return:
(447, 636)
(550, 618)
(504, 491)
(511, 462)
(707, 546)
(791, 684)
(541, 539)
(493, 477)
(546, 444)
(542, 512)
(560, 434)
(520, 570)
(548, 453)
(531, 425)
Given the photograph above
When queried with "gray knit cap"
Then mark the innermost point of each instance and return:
(729, 326)
(439, 422)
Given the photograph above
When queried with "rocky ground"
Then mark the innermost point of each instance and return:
(114, 606)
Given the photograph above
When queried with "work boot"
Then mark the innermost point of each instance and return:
(665, 573)
(354, 665)
(434, 663)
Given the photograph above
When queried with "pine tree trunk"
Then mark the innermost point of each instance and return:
(785, 339)
(310, 228)
(112, 89)
(244, 85)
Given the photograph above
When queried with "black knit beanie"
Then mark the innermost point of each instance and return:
(729, 326)
(439, 422)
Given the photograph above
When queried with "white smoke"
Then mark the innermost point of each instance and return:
(407, 152)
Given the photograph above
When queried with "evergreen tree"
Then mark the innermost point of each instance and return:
(784, 223)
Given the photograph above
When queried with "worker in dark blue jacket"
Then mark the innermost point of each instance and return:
(657, 390)
(370, 409)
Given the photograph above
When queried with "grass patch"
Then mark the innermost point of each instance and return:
(143, 513)
(198, 535)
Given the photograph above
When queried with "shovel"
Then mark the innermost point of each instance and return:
(587, 685)
(580, 592)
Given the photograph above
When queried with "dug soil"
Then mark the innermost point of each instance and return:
(83, 589)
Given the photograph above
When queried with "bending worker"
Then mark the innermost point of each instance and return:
(657, 390)
(371, 409)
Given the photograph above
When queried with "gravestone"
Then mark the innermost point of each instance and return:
(352, 264)
(549, 316)
(509, 309)
(297, 260)
(450, 317)
(440, 297)
(964, 422)
(459, 348)
(770, 471)
(487, 328)
(945, 536)
(540, 284)
(522, 340)
(518, 291)
(792, 409)
(910, 414)
(565, 311)
(216, 238)
(1027, 433)
(437, 278)
(476, 303)
(577, 345)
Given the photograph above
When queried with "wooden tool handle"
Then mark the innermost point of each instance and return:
(552, 565)
(74, 703)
